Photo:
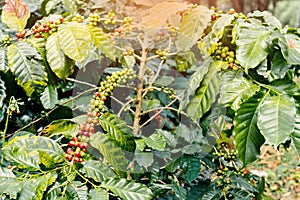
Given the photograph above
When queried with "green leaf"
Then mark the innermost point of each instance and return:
(102, 42)
(127, 61)
(150, 104)
(24, 151)
(39, 44)
(144, 159)
(74, 39)
(127, 189)
(169, 137)
(2, 93)
(234, 92)
(276, 118)
(196, 191)
(251, 45)
(29, 73)
(49, 97)
(296, 133)
(156, 141)
(51, 5)
(212, 193)
(189, 32)
(179, 191)
(42, 184)
(77, 191)
(10, 186)
(113, 154)
(6, 173)
(97, 194)
(242, 183)
(69, 4)
(246, 133)
(67, 128)
(117, 131)
(185, 61)
(3, 60)
(294, 49)
(191, 167)
(97, 170)
(194, 83)
(15, 14)
(57, 60)
(206, 94)
(279, 66)
(267, 17)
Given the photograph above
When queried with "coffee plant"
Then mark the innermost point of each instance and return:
(142, 101)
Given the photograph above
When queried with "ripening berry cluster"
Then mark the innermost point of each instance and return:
(76, 150)
(94, 19)
(223, 53)
(106, 88)
(21, 34)
(162, 53)
(47, 28)
(6, 40)
(110, 18)
(128, 52)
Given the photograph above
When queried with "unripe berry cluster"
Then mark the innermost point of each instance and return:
(162, 53)
(127, 21)
(170, 91)
(94, 19)
(6, 40)
(110, 18)
(128, 52)
(78, 18)
(76, 150)
(47, 28)
(223, 53)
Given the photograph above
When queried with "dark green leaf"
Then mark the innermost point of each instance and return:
(65, 127)
(156, 141)
(179, 192)
(128, 190)
(117, 131)
(191, 167)
(247, 135)
(98, 194)
(113, 154)
(144, 159)
(49, 97)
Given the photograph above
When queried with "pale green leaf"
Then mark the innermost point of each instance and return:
(102, 42)
(23, 151)
(2, 93)
(156, 141)
(57, 60)
(293, 49)
(70, 5)
(97, 170)
(251, 45)
(189, 32)
(246, 133)
(77, 191)
(15, 14)
(6, 173)
(74, 39)
(49, 97)
(97, 194)
(128, 190)
(144, 159)
(276, 118)
(3, 60)
(51, 5)
(29, 72)
(267, 17)
(10, 186)
(235, 92)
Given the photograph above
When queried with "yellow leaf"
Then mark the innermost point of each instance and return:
(15, 14)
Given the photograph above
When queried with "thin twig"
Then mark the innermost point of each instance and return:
(82, 82)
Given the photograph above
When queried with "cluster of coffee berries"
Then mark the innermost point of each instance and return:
(45, 29)
(169, 91)
(78, 18)
(87, 129)
(76, 150)
(162, 53)
(96, 107)
(216, 14)
(6, 40)
(223, 53)
(110, 18)
(94, 19)
(127, 21)
(128, 52)
(21, 34)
